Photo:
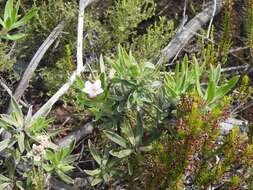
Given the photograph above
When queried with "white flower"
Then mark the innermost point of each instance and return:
(93, 89)
(43, 140)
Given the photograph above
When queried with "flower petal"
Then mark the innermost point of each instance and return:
(92, 94)
(97, 84)
(99, 91)
(88, 85)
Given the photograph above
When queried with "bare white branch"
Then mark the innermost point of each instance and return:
(80, 67)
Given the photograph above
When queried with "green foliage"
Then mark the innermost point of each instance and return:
(184, 80)
(11, 20)
(148, 45)
(106, 167)
(134, 86)
(134, 90)
(159, 129)
(29, 150)
(125, 16)
(60, 162)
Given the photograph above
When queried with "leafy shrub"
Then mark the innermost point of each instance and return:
(137, 101)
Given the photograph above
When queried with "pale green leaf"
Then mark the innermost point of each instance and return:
(8, 9)
(94, 153)
(223, 90)
(4, 144)
(96, 181)
(210, 92)
(2, 23)
(15, 37)
(116, 138)
(16, 108)
(25, 19)
(21, 142)
(122, 153)
(93, 172)
(65, 177)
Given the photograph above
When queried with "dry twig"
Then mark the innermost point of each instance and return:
(182, 38)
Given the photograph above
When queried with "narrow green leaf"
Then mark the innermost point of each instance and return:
(17, 6)
(48, 168)
(51, 156)
(67, 150)
(130, 167)
(210, 93)
(139, 129)
(4, 144)
(223, 90)
(93, 172)
(20, 185)
(8, 9)
(71, 158)
(25, 19)
(8, 24)
(127, 129)
(169, 87)
(64, 177)
(122, 153)
(16, 108)
(15, 37)
(102, 76)
(28, 118)
(79, 83)
(116, 138)
(96, 181)
(177, 72)
(94, 153)
(9, 120)
(217, 74)
(5, 179)
(2, 23)
(21, 142)
(146, 148)
(115, 66)
(101, 64)
(66, 168)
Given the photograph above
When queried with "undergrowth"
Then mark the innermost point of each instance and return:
(156, 126)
